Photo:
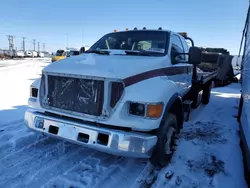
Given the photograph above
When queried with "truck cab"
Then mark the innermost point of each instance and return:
(58, 56)
(125, 95)
(69, 53)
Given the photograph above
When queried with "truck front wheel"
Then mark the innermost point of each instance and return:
(206, 93)
(164, 148)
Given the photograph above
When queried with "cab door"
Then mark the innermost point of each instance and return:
(190, 66)
(179, 64)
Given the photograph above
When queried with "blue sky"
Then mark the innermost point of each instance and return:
(212, 23)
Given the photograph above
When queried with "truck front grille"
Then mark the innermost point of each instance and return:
(79, 95)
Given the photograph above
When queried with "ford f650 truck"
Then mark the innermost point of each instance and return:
(126, 95)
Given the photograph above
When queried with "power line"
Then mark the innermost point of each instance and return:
(11, 42)
(82, 37)
(67, 39)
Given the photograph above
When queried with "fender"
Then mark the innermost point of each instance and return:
(154, 90)
(36, 83)
(175, 106)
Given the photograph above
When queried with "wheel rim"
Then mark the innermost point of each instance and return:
(169, 145)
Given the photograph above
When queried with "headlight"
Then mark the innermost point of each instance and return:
(33, 92)
(146, 110)
(137, 109)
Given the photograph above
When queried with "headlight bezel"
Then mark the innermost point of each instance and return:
(34, 92)
(157, 107)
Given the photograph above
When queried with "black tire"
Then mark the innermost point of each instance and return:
(206, 93)
(160, 157)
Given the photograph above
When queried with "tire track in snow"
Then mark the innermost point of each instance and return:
(11, 124)
(17, 126)
(17, 140)
(122, 174)
(85, 169)
(35, 163)
(21, 156)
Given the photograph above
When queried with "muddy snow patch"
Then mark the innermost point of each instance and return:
(208, 132)
(204, 157)
(210, 165)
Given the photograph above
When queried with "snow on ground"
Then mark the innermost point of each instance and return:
(207, 155)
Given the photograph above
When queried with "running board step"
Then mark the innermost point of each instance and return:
(187, 105)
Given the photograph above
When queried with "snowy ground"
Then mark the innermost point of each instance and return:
(208, 152)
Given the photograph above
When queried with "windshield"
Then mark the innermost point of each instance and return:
(153, 42)
(74, 52)
(59, 52)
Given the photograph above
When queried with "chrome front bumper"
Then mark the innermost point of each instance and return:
(122, 143)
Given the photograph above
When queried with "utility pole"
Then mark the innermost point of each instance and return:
(38, 45)
(11, 42)
(34, 44)
(23, 43)
(44, 47)
(67, 39)
(82, 37)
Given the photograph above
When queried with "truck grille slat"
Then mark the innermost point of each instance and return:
(117, 89)
(76, 94)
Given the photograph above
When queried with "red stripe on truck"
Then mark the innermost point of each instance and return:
(168, 71)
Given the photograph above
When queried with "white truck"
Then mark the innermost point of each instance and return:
(28, 54)
(126, 95)
(19, 54)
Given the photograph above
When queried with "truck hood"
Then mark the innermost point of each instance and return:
(106, 66)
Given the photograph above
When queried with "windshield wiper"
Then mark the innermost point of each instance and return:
(98, 52)
(142, 53)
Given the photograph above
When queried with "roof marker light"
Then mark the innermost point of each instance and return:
(160, 28)
(184, 34)
(135, 28)
(115, 30)
(144, 28)
(126, 29)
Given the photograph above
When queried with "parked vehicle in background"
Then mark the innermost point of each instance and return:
(59, 55)
(34, 54)
(47, 54)
(40, 54)
(28, 54)
(69, 53)
(11, 54)
(126, 95)
(19, 54)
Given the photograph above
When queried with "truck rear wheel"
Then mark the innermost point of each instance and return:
(164, 148)
(206, 93)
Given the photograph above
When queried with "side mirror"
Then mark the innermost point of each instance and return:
(195, 55)
(82, 50)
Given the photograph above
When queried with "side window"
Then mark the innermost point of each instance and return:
(186, 47)
(176, 44)
(176, 47)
